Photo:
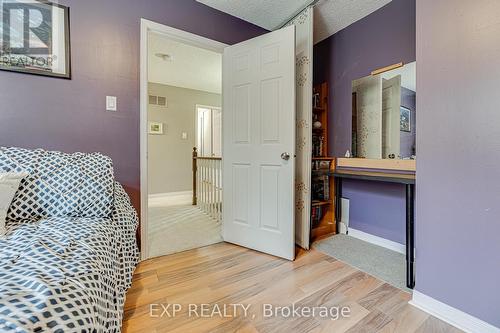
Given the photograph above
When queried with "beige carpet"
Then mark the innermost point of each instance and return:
(175, 226)
(384, 264)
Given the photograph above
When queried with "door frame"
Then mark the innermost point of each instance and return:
(148, 27)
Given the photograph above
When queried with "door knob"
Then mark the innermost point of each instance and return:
(285, 156)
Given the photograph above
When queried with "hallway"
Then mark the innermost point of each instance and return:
(175, 225)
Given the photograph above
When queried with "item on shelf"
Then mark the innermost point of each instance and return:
(348, 154)
(316, 100)
(317, 213)
(317, 145)
(317, 124)
(324, 165)
(321, 188)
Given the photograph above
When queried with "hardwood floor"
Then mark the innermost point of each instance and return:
(225, 274)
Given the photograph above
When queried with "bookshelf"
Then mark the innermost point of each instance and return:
(323, 166)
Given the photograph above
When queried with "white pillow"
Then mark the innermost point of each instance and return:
(9, 183)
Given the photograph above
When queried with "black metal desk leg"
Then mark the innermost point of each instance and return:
(410, 236)
(338, 202)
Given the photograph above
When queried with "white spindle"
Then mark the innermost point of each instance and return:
(209, 186)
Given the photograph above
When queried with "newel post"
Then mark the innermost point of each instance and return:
(195, 170)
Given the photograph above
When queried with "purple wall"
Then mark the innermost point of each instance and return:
(458, 175)
(70, 115)
(383, 38)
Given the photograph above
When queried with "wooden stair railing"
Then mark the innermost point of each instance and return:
(207, 184)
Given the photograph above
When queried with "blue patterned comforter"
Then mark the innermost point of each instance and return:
(68, 274)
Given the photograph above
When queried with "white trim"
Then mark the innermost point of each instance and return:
(388, 244)
(177, 35)
(208, 107)
(451, 315)
(143, 135)
(170, 195)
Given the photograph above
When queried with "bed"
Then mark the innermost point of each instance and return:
(68, 257)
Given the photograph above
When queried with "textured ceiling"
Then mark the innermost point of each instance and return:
(330, 16)
(268, 14)
(191, 67)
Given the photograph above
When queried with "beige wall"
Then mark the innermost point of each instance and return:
(170, 156)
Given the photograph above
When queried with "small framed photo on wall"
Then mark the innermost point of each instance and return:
(34, 38)
(155, 128)
(405, 119)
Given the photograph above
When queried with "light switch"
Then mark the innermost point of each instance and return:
(111, 103)
(184, 136)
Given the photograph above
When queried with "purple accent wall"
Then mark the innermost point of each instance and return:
(70, 115)
(377, 208)
(383, 38)
(458, 183)
(408, 139)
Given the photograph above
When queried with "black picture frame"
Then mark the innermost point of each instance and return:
(41, 72)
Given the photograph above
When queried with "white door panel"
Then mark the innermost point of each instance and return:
(258, 127)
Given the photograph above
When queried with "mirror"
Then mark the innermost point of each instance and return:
(384, 114)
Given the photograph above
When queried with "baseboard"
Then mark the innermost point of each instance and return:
(451, 315)
(170, 194)
(388, 244)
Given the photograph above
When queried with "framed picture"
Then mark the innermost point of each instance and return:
(155, 128)
(34, 38)
(405, 119)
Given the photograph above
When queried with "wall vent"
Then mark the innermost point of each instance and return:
(162, 101)
(158, 100)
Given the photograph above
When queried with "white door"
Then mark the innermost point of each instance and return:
(259, 143)
(391, 117)
(209, 131)
(304, 31)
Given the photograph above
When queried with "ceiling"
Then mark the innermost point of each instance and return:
(330, 16)
(268, 14)
(190, 67)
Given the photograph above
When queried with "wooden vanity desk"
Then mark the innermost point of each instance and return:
(394, 171)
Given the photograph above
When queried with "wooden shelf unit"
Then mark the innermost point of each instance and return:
(320, 112)
(326, 225)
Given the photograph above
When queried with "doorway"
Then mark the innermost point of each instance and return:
(209, 131)
(258, 123)
(175, 216)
